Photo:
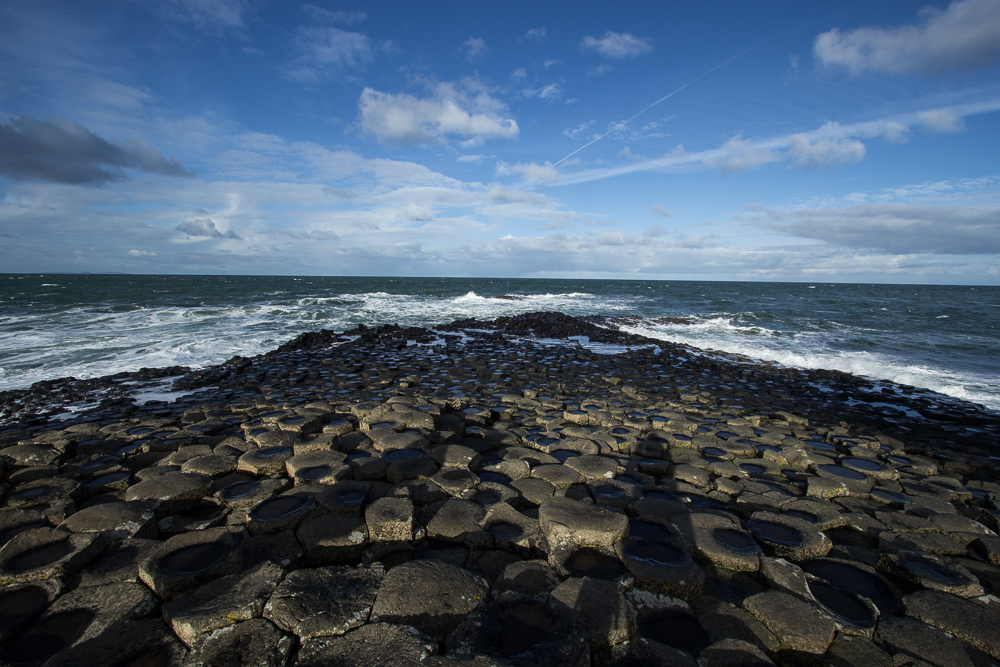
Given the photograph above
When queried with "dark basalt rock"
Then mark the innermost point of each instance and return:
(432, 596)
(324, 601)
(190, 560)
(520, 631)
(43, 553)
(660, 469)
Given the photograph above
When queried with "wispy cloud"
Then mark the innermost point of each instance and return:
(826, 147)
(212, 15)
(320, 15)
(324, 52)
(617, 45)
(464, 111)
(964, 36)
(473, 49)
(894, 228)
(535, 34)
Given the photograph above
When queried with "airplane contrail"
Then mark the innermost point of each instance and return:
(620, 125)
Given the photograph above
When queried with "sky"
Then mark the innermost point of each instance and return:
(834, 140)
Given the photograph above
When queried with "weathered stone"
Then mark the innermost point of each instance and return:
(533, 578)
(565, 523)
(318, 467)
(788, 536)
(189, 560)
(76, 617)
(798, 625)
(324, 601)
(43, 553)
(930, 571)
(914, 643)
(720, 540)
(117, 519)
(173, 492)
(432, 596)
(455, 520)
(597, 607)
(733, 653)
(223, 602)
(21, 604)
(280, 513)
(521, 632)
(971, 622)
(266, 461)
(253, 643)
(139, 642)
(390, 520)
(329, 539)
(509, 528)
(385, 644)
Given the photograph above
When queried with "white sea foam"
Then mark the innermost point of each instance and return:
(812, 350)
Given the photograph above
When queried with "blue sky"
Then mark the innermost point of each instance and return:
(830, 140)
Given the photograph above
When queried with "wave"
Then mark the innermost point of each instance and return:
(816, 350)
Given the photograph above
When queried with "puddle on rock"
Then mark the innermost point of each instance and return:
(588, 562)
(278, 508)
(841, 604)
(732, 538)
(194, 559)
(523, 624)
(674, 628)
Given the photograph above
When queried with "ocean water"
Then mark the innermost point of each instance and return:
(943, 338)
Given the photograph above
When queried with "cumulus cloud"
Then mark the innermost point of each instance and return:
(617, 45)
(63, 151)
(739, 154)
(531, 171)
(964, 36)
(140, 253)
(941, 120)
(325, 52)
(466, 112)
(206, 228)
(473, 48)
(824, 153)
(896, 228)
(535, 34)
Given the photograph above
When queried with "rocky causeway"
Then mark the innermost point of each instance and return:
(533, 490)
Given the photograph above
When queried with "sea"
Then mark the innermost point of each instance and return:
(942, 338)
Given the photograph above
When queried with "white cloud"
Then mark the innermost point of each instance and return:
(320, 15)
(941, 120)
(535, 34)
(326, 52)
(473, 48)
(659, 210)
(739, 154)
(824, 153)
(575, 132)
(894, 228)
(964, 36)
(464, 111)
(617, 45)
(550, 92)
(134, 253)
(210, 14)
(531, 171)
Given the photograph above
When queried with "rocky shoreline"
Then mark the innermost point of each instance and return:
(497, 493)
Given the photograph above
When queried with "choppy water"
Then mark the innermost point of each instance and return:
(943, 338)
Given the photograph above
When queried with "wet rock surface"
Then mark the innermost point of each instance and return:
(469, 495)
